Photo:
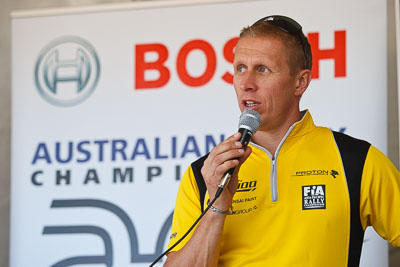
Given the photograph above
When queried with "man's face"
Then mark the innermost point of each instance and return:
(263, 82)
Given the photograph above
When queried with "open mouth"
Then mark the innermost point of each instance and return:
(250, 104)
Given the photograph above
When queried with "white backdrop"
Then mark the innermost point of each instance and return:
(96, 158)
(397, 28)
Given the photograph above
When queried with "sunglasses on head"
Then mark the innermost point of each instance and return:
(289, 26)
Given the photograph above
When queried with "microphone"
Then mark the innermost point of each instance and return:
(249, 122)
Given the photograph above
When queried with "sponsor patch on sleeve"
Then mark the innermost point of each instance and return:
(173, 235)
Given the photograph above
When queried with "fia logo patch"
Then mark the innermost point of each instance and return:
(314, 197)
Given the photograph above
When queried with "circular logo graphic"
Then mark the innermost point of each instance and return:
(67, 71)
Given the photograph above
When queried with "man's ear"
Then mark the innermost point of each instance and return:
(303, 80)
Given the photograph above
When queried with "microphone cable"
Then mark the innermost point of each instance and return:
(249, 122)
(219, 191)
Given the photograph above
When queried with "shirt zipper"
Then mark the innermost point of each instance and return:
(274, 187)
(274, 176)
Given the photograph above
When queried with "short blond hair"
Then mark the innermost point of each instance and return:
(295, 56)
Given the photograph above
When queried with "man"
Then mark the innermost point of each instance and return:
(300, 195)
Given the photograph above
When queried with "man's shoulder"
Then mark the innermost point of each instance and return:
(349, 143)
(198, 164)
(342, 139)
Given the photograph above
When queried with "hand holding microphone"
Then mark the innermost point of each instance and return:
(221, 162)
(223, 159)
(248, 124)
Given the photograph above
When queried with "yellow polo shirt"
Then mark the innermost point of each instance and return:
(294, 209)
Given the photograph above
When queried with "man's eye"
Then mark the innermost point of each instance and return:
(263, 69)
(241, 69)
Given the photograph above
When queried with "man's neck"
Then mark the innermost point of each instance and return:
(270, 139)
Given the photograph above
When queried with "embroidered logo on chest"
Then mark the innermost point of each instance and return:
(246, 186)
(314, 197)
(332, 173)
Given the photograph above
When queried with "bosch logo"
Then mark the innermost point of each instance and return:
(67, 71)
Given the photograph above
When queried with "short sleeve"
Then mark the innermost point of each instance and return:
(380, 196)
(187, 209)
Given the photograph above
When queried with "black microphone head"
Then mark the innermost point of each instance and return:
(250, 120)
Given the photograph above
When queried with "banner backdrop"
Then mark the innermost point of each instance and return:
(397, 30)
(110, 105)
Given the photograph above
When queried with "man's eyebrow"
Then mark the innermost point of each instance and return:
(239, 64)
(238, 59)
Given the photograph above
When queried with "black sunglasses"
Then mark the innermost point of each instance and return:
(290, 26)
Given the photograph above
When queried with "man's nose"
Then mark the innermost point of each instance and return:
(248, 82)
